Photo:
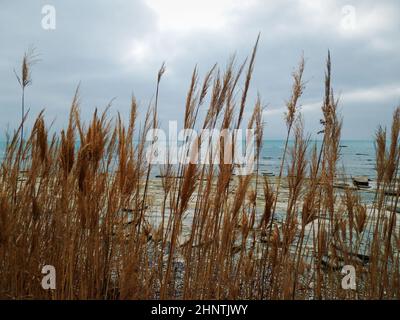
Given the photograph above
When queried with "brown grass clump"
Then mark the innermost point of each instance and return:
(84, 201)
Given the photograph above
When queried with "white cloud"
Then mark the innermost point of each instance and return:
(376, 94)
(185, 16)
(139, 50)
(373, 94)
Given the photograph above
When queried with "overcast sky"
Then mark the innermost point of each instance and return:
(116, 47)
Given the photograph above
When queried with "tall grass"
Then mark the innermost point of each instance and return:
(83, 200)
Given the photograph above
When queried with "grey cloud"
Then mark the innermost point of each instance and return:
(93, 40)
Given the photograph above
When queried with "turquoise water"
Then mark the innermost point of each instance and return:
(356, 157)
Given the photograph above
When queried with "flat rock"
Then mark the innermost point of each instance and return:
(361, 181)
(391, 192)
(343, 186)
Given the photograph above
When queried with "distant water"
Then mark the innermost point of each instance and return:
(2, 149)
(356, 157)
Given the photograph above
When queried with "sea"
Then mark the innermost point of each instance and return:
(357, 157)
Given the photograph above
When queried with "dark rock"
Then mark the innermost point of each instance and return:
(391, 192)
(361, 181)
(341, 185)
(359, 257)
(330, 263)
(268, 174)
(164, 176)
(393, 209)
